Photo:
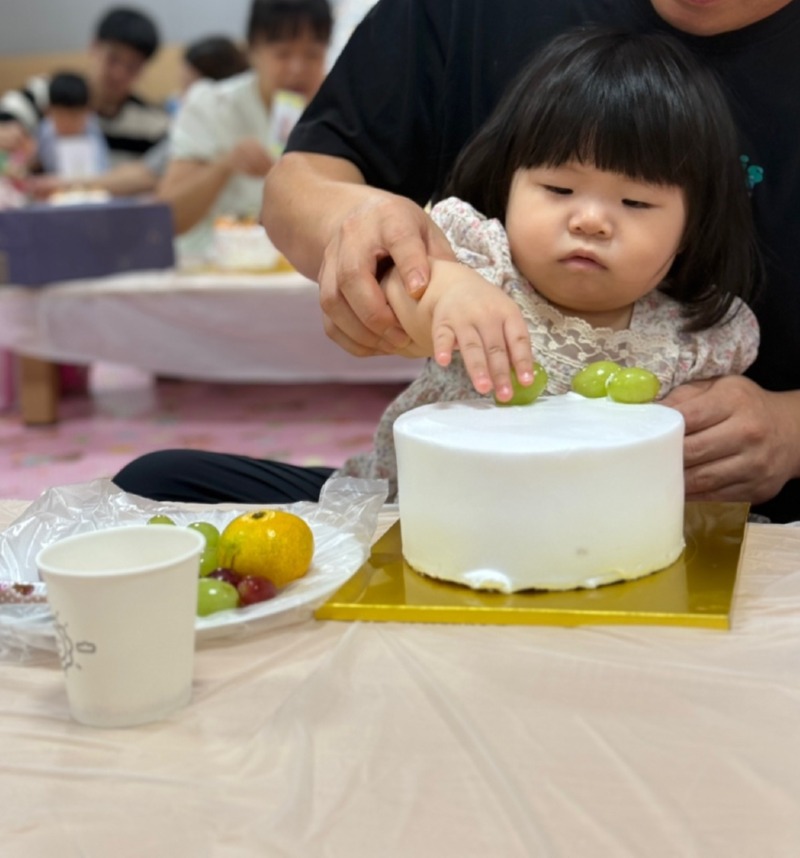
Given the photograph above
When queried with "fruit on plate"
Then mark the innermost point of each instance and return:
(228, 575)
(208, 559)
(525, 395)
(267, 543)
(214, 596)
(253, 590)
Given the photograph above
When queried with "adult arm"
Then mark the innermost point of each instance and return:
(333, 227)
(124, 180)
(128, 179)
(742, 442)
(339, 202)
(192, 187)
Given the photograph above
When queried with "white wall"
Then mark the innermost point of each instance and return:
(56, 26)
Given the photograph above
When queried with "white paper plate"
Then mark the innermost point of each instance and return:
(342, 523)
(337, 555)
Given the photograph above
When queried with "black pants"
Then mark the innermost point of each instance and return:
(197, 476)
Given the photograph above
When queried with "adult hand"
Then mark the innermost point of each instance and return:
(742, 442)
(383, 229)
(249, 157)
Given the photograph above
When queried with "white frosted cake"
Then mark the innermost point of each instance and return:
(243, 246)
(567, 492)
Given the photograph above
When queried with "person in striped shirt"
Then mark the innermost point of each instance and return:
(124, 41)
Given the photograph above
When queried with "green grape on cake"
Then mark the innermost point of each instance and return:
(592, 380)
(633, 385)
(526, 394)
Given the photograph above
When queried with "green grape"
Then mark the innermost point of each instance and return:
(591, 381)
(208, 559)
(525, 395)
(633, 384)
(160, 519)
(214, 595)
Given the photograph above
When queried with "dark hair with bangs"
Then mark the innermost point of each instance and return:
(639, 105)
(216, 57)
(129, 27)
(68, 89)
(282, 20)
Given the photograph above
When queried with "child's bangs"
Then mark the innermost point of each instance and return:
(620, 125)
(293, 26)
(286, 21)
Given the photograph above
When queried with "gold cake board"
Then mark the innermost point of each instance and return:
(696, 590)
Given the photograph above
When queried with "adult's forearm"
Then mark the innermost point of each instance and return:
(306, 198)
(191, 190)
(127, 179)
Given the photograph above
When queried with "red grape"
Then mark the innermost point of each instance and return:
(223, 574)
(253, 589)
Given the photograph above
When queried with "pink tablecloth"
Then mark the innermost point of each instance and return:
(381, 740)
(212, 326)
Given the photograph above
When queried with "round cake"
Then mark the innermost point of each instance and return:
(243, 246)
(567, 492)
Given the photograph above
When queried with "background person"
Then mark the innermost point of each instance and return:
(220, 138)
(124, 40)
(213, 57)
(69, 140)
(342, 206)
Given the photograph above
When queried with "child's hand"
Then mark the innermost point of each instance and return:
(484, 324)
(460, 310)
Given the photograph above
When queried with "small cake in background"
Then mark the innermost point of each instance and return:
(78, 197)
(243, 245)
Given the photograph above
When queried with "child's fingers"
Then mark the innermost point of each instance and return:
(444, 341)
(488, 364)
(500, 368)
(509, 348)
(519, 349)
(474, 355)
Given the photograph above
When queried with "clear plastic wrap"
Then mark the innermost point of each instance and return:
(343, 523)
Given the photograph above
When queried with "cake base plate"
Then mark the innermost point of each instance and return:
(696, 590)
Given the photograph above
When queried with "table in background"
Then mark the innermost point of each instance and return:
(392, 740)
(205, 326)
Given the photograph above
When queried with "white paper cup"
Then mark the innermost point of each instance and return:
(124, 602)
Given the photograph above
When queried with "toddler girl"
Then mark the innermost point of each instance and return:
(600, 214)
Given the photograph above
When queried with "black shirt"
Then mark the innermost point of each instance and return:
(418, 78)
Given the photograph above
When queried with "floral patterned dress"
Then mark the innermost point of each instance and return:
(562, 344)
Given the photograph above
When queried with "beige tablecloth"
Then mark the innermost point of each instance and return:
(217, 327)
(382, 740)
